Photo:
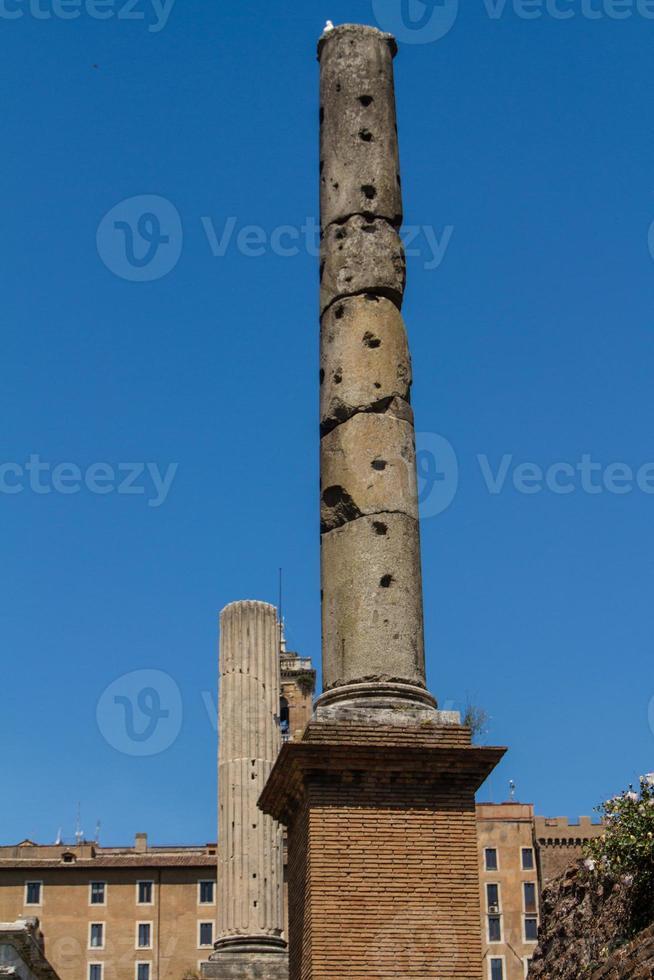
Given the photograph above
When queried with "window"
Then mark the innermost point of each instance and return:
(95, 971)
(497, 968)
(144, 935)
(142, 971)
(494, 929)
(145, 892)
(206, 892)
(33, 892)
(530, 896)
(490, 858)
(98, 893)
(493, 897)
(531, 929)
(205, 934)
(96, 935)
(284, 718)
(527, 859)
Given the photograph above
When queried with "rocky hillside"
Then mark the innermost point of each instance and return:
(588, 931)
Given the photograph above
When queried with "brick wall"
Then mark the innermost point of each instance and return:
(383, 871)
(393, 868)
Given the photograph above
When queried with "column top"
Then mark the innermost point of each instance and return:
(357, 32)
(249, 604)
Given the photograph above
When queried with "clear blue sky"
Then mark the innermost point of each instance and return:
(532, 340)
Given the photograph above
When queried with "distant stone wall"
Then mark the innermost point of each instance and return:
(560, 843)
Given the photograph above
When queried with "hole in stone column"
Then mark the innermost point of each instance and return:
(335, 185)
(254, 874)
(348, 279)
(322, 376)
(365, 135)
(322, 114)
(377, 384)
(399, 180)
(386, 581)
(370, 340)
(371, 227)
(338, 86)
(338, 377)
(366, 100)
(380, 528)
(369, 191)
(255, 905)
(343, 508)
(253, 775)
(379, 465)
(372, 298)
(322, 268)
(322, 166)
(339, 312)
(340, 234)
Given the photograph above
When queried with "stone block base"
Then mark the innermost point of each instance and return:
(246, 966)
(382, 850)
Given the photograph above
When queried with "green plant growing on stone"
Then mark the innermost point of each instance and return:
(477, 720)
(625, 852)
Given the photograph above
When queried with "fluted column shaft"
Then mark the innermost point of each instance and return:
(250, 858)
(370, 556)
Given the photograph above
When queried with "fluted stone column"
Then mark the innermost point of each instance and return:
(370, 556)
(250, 909)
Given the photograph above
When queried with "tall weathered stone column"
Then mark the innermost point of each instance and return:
(379, 796)
(250, 907)
(370, 554)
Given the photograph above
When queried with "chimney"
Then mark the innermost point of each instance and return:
(141, 843)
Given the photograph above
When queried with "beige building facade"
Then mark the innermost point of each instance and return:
(109, 913)
(518, 854)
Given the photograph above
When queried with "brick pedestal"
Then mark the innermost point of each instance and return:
(382, 852)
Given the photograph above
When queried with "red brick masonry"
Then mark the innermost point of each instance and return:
(383, 870)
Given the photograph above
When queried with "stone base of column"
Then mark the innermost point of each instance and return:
(227, 964)
(382, 846)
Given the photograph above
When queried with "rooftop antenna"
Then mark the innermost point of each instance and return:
(97, 832)
(511, 790)
(79, 833)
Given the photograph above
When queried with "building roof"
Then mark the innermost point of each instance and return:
(27, 854)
